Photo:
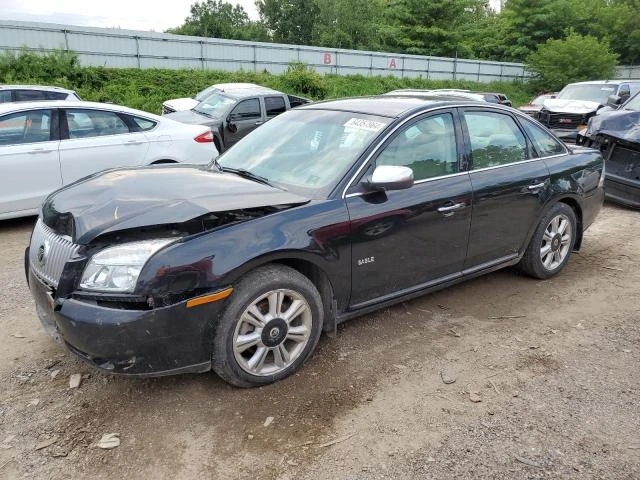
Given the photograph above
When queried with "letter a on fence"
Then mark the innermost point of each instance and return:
(392, 63)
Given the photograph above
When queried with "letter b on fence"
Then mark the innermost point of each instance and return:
(327, 59)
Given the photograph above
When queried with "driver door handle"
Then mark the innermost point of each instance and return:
(259, 122)
(449, 210)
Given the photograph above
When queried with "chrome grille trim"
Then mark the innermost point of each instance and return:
(58, 250)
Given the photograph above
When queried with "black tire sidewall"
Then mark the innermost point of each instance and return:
(250, 287)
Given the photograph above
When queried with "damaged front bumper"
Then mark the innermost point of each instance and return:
(152, 342)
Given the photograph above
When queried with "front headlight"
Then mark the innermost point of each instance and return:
(116, 269)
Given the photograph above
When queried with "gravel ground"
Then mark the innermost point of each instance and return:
(547, 386)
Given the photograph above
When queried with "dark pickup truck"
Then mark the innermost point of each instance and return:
(233, 113)
(327, 212)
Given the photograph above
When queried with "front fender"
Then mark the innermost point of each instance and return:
(316, 233)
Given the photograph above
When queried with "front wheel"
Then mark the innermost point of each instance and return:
(551, 245)
(269, 329)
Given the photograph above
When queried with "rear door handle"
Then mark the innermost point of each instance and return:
(259, 122)
(537, 186)
(40, 150)
(133, 142)
(449, 210)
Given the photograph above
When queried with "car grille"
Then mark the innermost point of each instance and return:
(49, 252)
(166, 110)
(562, 120)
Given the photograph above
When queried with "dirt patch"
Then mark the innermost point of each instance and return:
(554, 365)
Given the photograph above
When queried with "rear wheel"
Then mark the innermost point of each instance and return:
(551, 245)
(269, 329)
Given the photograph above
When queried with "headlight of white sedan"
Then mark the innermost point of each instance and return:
(116, 269)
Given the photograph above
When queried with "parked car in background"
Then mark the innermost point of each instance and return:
(493, 97)
(576, 103)
(535, 105)
(616, 134)
(33, 93)
(233, 113)
(327, 212)
(180, 104)
(45, 145)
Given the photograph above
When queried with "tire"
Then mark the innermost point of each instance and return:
(251, 345)
(552, 242)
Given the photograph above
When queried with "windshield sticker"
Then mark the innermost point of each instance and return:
(362, 124)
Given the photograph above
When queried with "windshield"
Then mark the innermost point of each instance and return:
(633, 103)
(305, 151)
(204, 93)
(215, 105)
(593, 93)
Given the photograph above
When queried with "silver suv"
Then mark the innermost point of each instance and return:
(34, 93)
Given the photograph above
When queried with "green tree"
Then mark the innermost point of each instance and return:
(289, 21)
(219, 19)
(558, 62)
(529, 23)
(348, 24)
(435, 27)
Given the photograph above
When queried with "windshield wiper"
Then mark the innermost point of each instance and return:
(202, 113)
(246, 174)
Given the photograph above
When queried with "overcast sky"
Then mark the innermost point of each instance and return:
(155, 15)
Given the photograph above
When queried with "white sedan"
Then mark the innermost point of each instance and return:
(45, 145)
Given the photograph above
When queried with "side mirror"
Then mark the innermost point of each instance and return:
(614, 101)
(232, 127)
(390, 177)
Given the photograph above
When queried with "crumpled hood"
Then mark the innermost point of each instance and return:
(194, 118)
(126, 199)
(621, 124)
(179, 104)
(558, 105)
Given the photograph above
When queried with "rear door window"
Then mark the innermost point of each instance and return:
(495, 139)
(5, 96)
(274, 106)
(25, 127)
(84, 123)
(29, 95)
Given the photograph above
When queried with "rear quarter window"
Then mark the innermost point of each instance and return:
(543, 142)
(5, 96)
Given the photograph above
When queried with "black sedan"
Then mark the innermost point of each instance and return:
(325, 213)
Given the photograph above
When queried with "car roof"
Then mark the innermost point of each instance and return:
(388, 105)
(444, 94)
(242, 92)
(613, 82)
(36, 87)
(21, 106)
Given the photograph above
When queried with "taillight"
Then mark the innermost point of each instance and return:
(206, 137)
